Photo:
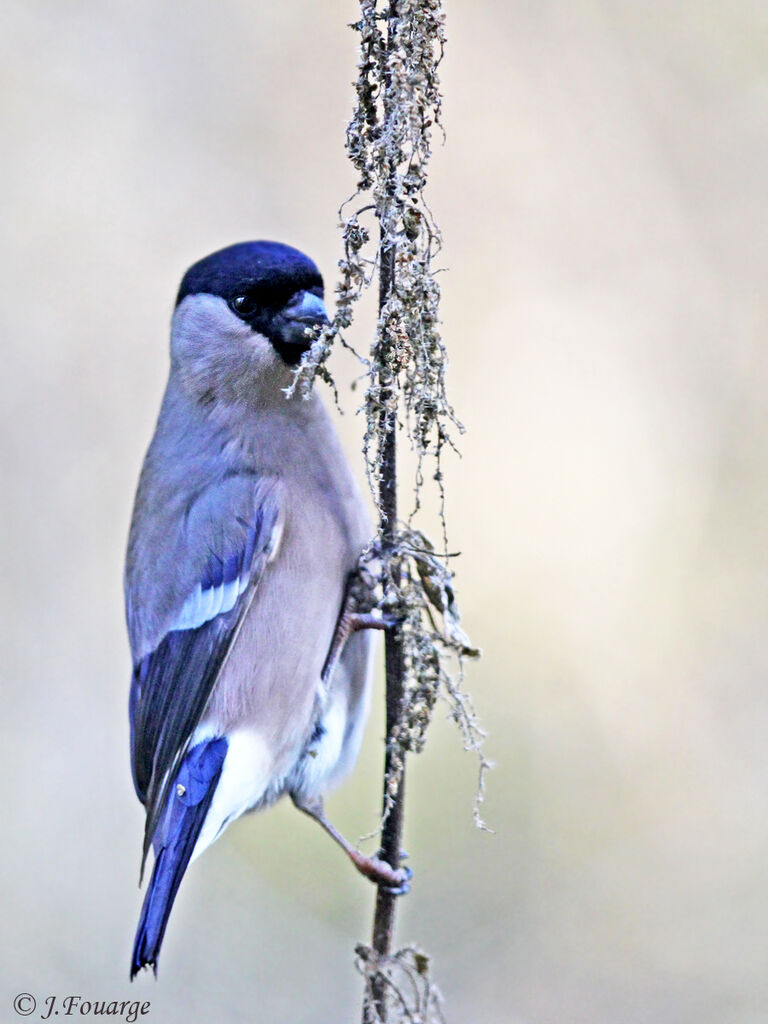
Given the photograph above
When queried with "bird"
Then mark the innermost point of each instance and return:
(252, 662)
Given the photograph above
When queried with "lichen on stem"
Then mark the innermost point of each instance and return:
(389, 141)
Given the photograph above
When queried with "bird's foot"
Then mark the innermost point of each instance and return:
(404, 886)
(393, 880)
(369, 620)
(352, 622)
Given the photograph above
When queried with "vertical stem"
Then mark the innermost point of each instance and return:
(393, 804)
(384, 916)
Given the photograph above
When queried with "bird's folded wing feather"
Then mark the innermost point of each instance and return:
(187, 589)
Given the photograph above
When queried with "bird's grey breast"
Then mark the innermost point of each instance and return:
(271, 681)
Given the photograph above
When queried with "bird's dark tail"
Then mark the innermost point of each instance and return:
(188, 804)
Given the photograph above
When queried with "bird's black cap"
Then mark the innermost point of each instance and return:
(271, 268)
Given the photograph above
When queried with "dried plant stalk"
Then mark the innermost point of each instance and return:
(389, 142)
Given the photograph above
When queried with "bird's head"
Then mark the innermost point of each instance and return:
(242, 316)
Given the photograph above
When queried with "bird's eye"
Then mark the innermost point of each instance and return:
(243, 305)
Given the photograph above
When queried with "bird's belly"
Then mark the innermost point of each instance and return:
(338, 729)
(270, 683)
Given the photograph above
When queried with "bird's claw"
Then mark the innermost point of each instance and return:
(355, 621)
(404, 887)
(380, 872)
(391, 620)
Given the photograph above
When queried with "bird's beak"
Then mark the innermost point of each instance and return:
(303, 310)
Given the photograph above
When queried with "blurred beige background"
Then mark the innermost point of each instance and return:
(602, 193)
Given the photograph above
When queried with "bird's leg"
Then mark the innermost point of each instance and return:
(377, 870)
(350, 621)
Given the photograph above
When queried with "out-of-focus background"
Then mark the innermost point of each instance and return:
(602, 193)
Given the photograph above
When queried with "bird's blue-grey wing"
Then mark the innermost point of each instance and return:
(188, 586)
